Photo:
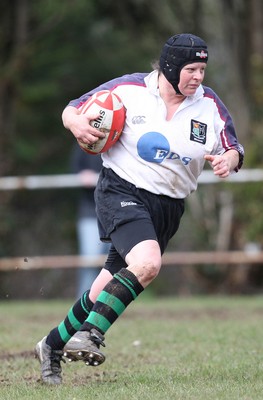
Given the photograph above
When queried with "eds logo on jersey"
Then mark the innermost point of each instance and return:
(198, 131)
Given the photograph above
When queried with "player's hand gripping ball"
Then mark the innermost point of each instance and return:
(110, 121)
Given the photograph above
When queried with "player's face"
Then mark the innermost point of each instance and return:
(191, 77)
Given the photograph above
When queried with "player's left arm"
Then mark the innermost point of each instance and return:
(225, 163)
(229, 154)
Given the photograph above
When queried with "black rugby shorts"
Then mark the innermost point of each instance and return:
(128, 215)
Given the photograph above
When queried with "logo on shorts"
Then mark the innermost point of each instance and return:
(128, 203)
(198, 131)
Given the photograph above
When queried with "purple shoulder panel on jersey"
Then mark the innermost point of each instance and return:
(228, 133)
(129, 79)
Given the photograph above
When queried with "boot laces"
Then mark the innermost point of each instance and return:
(97, 338)
(55, 359)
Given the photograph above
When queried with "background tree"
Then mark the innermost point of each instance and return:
(52, 51)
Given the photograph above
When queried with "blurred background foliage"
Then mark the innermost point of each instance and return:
(53, 51)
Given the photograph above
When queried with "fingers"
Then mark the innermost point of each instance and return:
(209, 157)
(219, 164)
(84, 132)
(90, 136)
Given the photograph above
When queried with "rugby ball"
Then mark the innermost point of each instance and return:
(110, 121)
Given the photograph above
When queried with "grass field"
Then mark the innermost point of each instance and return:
(160, 349)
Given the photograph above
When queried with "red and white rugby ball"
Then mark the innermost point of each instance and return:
(110, 121)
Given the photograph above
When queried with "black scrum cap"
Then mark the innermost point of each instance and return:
(178, 51)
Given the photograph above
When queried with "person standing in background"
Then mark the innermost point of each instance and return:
(89, 244)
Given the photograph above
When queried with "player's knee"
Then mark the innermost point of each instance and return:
(146, 271)
(151, 269)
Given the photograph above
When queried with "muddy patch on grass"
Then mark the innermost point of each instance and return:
(12, 356)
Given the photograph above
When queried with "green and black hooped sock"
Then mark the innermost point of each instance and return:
(113, 300)
(60, 335)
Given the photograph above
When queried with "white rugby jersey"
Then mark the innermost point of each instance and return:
(166, 157)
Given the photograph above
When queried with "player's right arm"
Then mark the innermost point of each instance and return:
(79, 125)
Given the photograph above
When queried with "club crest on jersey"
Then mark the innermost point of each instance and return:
(198, 131)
